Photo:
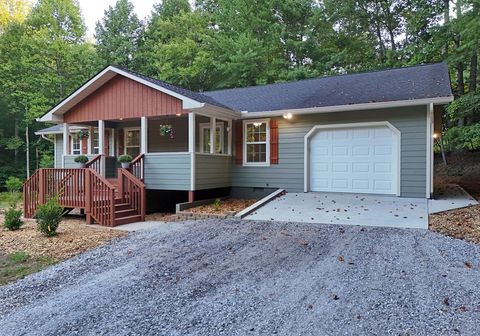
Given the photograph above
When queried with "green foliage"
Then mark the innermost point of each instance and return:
(117, 34)
(13, 219)
(47, 160)
(217, 204)
(81, 159)
(125, 158)
(48, 217)
(463, 138)
(465, 106)
(18, 257)
(13, 184)
(19, 264)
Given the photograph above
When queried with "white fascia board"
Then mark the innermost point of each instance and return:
(353, 107)
(209, 110)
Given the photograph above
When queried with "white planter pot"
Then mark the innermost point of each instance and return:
(81, 165)
(125, 165)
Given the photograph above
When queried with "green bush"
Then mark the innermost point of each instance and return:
(217, 204)
(48, 217)
(81, 159)
(125, 158)
(13, 184)
(13, 219)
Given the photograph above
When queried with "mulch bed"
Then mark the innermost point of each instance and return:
(225, 207)
(463, 169)
(73, 237)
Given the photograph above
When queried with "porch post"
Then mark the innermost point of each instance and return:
(66, 142)
(229, 137)
(101, 144)
(213, 132)
(191, 150)
(91, 131)
(144, 135)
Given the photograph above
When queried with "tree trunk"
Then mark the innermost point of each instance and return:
(27, 151)
(15, 134)
(446, 19)
(472, 84)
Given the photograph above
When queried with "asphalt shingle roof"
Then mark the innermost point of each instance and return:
(408, 83)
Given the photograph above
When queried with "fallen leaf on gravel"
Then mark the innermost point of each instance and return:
(446, 301)
(309, 306)
(303, 242)
(264, 238)
(462, 309)
(467, 264)
(335, 297)
(340, 258)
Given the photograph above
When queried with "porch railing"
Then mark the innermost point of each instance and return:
(95, 164)
(132, 192)
(137, 166)
(100, 199)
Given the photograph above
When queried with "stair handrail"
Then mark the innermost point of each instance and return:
(137, 166)
(30, 196)
(132, 191)
(95, 163)
(104, 211)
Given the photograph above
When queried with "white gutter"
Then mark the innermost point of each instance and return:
(352, 107)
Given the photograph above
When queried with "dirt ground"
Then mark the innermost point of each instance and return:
(73, 237)
(464, 170)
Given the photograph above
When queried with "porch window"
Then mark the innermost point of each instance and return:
(132, 141)
(256, 143)
(95, 147)
(205, 138)
(76, 145)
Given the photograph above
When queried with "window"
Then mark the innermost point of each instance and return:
(132, 141)
(76, 145)
(95, 147)
(256, 151)
(205, 138)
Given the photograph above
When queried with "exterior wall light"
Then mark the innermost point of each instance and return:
(287, 116)
(178, 114)
(435, 135)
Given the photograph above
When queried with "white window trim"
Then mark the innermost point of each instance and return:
(72, 136)
(267, 142)
(203, 126)
(92, 147)
(125, 131)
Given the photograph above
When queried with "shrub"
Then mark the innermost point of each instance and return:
(13, 219)
(125, 158)
(81, 159)
(13, 184)
(217, 204)
(48, 217)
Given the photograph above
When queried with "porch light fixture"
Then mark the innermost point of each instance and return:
(435, 135)
(178, 114)
(287, 116)
(257, 124)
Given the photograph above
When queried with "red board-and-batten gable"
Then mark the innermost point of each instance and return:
(123, 98)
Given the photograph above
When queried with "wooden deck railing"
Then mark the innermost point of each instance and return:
(31, 194)
(132, 192)
(137, 166)
(95, 164)
(100, 199)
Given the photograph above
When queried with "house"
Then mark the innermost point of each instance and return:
(359, 133)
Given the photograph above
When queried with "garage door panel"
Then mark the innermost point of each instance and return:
(357, 159)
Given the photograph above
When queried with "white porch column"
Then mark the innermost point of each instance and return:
(144, 135)
(191, 150)
(229, 137)
(213, 131)
(66, 142)
(91, 131)
(101, 145)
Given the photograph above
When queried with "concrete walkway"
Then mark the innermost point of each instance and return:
(450, 197)
(347, 209)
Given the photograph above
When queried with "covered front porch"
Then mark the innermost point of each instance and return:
(176, 152)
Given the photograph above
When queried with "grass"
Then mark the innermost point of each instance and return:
(19, 264)
(4, 197)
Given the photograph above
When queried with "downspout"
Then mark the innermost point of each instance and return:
(46, 138)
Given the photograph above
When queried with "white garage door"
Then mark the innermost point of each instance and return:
(354, 159)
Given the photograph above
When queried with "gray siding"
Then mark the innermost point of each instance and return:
(167, 171)
(288, 174)
(212, 171)
(58, 150)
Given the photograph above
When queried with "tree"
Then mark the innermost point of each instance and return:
(13, 11)
(117, 34)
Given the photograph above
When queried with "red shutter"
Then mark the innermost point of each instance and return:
(238, 142)
(273, 141)
(84, 146)
(106, 145)
(120, 142)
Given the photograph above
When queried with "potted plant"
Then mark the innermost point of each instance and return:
(125, 160)
(81, 160)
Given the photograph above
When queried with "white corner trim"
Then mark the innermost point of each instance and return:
(306, 151)
(191, 148)
(429, 174)
(352, 107)
(244, 130)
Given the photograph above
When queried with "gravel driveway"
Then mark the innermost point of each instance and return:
(255, 278)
